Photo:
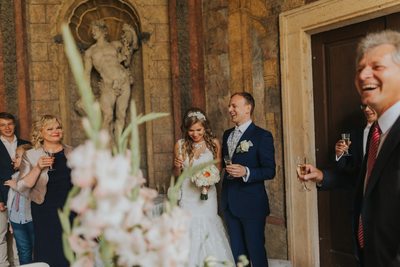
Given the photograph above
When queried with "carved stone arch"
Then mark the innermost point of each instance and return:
(114, 13)
(78, 15)
(120, 10)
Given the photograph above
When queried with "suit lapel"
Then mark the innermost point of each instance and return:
(360, 142)
(387, 148)
(4, 152)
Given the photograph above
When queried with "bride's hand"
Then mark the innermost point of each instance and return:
(178, 162)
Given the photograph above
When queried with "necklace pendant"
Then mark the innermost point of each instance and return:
(198, 145)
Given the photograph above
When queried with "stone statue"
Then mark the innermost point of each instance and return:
(112, 61)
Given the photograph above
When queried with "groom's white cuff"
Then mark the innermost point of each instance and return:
(246, 177)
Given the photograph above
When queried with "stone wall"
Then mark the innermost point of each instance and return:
(42, 57)
(9, 84)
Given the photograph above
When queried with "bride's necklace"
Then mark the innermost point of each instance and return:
(198, 145)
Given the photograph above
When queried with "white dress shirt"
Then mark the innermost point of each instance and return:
(10, 146)
(386, 121)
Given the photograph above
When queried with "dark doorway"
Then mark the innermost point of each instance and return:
(336, 108)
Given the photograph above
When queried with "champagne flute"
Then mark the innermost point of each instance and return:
(228, 161)
(302, 169)
(346, 140)
(180, 153)
(51, 155)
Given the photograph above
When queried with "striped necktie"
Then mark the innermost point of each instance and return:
(233, 140)
(372, 153)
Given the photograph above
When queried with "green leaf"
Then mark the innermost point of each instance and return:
(69, 254)
(151, 116)
(106, 253)
(64, 220)
(135, 148)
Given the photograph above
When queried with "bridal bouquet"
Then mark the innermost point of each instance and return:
(205, 178)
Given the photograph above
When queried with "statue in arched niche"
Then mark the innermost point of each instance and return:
(112, 61)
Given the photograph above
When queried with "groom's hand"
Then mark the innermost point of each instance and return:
(236, 170)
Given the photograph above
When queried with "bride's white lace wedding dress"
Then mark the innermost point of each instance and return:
(207, 233)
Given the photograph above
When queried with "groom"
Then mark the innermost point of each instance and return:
(244, 199)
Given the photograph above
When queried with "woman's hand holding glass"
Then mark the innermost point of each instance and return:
(178, 162)
(45, 162)
(51, 155)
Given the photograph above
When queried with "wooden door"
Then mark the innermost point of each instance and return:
(336, 107)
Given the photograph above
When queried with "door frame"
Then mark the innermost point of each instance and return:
(296, 28)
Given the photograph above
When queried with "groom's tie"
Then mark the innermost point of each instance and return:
(233, 140)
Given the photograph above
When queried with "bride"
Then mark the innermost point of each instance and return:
(207, 233)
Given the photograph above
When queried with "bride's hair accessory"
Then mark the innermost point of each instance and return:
(197, 114)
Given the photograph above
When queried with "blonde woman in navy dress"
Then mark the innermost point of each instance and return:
(46, 177)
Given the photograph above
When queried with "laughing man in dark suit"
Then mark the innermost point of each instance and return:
(244, 199)
(378, 196)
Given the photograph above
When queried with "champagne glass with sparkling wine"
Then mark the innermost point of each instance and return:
(50, 155)
(302, 169)
(228, 161)
(346, 140)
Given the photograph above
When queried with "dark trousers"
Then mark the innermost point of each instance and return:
(247, 238)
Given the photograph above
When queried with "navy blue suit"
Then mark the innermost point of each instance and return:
(245, 204)
(6, 169)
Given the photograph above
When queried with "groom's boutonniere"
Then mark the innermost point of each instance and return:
(244, 146)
